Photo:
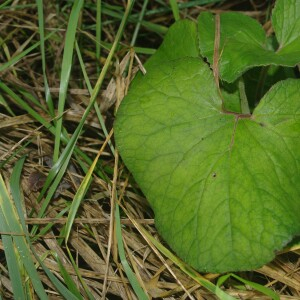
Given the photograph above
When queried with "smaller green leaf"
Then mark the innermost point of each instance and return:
(249, 30)
(286, 24)
(244, 44)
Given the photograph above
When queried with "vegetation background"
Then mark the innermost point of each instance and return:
(70, 212)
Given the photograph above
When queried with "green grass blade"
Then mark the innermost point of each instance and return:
(6, 106)
(14, 154)
(55, 176)
(175, 9)
(74, 264)
(27, 95)
(143, 50)
(18, 57)
(14, 268)
(98, 32)
(67, 278)
(159, 29)
(48, 227)
(80, 193)
(197, 3)
(58, 285)
(77, 201)
(138, 24)
(48, 97)
(96, 107)
(130, 275)
(5, 3)
(65, 72)
(16, 192)
(27, 107)
(11, 217)
(264, 290)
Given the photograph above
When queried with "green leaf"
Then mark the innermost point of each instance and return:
(243, 42)
(223, 186)
(286, 24)
(181, 41)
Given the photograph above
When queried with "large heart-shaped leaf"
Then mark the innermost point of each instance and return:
(224, 187)
(244, 44)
